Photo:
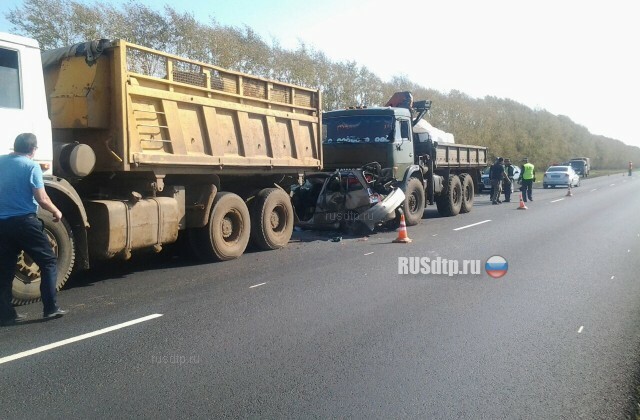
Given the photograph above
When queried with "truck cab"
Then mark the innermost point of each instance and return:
(582, 165)
(352, 136)
(409, 154)
(23, 106)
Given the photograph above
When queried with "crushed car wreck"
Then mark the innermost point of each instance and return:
(353, 200)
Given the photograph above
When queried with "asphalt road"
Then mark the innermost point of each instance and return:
(330, 329)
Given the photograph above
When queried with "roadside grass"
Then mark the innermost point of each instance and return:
(607, 172)
(593, 174)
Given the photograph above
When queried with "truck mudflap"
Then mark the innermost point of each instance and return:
(384, 210)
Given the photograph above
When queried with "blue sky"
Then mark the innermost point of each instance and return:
(575, 58)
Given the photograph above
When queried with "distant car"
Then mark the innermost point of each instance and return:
(486, 183)
(484, 179)
(560, 175)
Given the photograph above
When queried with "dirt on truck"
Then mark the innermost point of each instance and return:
(143, 147)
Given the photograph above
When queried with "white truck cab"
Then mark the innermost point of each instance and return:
(23, 104)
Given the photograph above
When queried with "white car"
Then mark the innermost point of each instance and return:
(560, 175)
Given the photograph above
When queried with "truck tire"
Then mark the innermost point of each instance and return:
(226, 235)
(450, 202)
(271, 219)
(414, 202)
(26, 283)
(467, 193)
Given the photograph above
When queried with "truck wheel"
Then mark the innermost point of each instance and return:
(271, 219)
(467, 193)
(414, 202)
(26, 283)
(449, 204)
(227, 234)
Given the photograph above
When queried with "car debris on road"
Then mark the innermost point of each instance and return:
(349, 200)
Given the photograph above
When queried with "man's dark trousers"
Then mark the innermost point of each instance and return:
(527, 189)
(506, 187)
(25, 233)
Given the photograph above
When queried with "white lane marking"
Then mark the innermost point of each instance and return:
(474, 224)
(612, 185)
(437, 235)
(613, 277)
(580, 330)
(77, 338)
(368, 253)
(595, 189)
(257, 285)
(559, 199)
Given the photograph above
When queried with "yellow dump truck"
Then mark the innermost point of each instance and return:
(143, 146)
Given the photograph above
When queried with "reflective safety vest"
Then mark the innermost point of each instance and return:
(528, 171)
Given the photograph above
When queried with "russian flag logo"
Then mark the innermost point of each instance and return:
(496, 266)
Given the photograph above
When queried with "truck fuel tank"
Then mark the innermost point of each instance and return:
(118, 227)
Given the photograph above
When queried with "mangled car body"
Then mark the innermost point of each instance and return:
(347, 199)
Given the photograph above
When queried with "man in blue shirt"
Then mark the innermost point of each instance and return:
(21, 191)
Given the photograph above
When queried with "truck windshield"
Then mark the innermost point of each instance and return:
(358, 129)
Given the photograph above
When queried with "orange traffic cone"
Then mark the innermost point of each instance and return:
(569, 194)
(522, 206)
(402, 232)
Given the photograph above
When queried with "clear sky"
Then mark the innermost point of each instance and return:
(575, 58)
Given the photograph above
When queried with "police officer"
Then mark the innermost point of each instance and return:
(507, 183)
(528, 177)
(21, 191)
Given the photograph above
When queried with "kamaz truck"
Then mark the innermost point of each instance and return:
(428, 166)
(582, 165)
(139, 147)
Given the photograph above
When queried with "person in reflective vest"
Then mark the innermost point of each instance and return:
(528, 178)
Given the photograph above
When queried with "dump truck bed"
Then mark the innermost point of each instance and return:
(142, 109)
(460, 156)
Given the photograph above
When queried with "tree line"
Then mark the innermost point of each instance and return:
(506, 127)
